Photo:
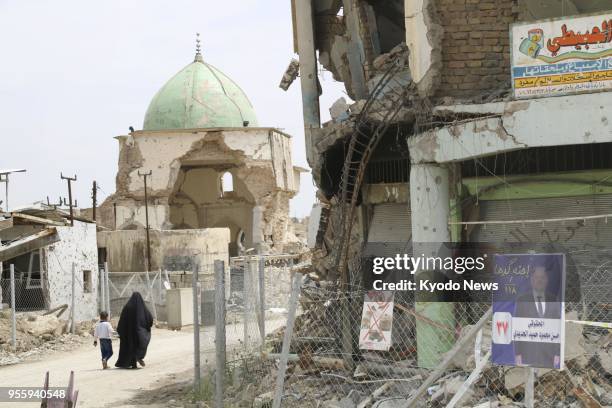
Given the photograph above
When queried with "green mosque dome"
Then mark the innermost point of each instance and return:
(199, 96)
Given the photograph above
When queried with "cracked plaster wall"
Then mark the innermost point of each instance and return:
(424, 40)
(175, 250)
(78, 246)
(506, 126)
(259, 159)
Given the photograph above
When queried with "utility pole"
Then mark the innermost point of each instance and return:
(4, 178)
(146, 197)
(94, 199)
(69, 180)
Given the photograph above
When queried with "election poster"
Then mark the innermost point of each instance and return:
(562, 56)
(528, 310)
(376, 321)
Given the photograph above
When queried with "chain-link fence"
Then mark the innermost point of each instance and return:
(249, 305)
(30, 295)
(20, 291)
(439, 354)
(151, 285)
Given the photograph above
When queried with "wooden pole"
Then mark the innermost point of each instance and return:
(146, 198)
(94, 199)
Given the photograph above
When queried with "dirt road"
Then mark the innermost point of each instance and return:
(170, 352)
(170, 355)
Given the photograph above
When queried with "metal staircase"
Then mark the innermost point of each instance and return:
(387, 99)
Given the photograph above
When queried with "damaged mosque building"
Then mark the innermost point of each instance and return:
(201, 181)
(451, 136)
(217, 183)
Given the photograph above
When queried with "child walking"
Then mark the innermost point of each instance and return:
(103, 332)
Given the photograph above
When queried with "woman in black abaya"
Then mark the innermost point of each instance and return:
(134, 330)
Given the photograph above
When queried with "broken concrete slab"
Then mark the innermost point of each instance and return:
(40, 325)
(398, 402)
(452, 386)
(263, 400)
(340, 110)
(465, 358)
(290, 74)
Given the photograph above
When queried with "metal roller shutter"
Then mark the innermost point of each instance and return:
(587, 242)
(390, 223)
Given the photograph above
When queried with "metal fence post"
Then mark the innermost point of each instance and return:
(151, 297)
(106, 282)
(282, 367)
(529, 387)
(73, 300)
(196, 331)
(220, 346)
(262, 301)
(160, 288)
(14, 308)
(246, 288)
(102, 285)
(1, 273)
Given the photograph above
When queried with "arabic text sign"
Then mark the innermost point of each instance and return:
(562, 56)
(376, 321)
(528, 312)
(536, 330)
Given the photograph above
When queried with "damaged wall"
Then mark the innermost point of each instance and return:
(424, 40)
(176, 250)
(259, 160)
(475, 48)
(77, 245)
(516, 125)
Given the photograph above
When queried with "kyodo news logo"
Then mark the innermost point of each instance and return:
(502, 328)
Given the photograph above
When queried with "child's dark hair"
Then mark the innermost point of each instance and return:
(103, 315)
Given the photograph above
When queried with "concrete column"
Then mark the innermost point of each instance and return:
(308, 71)
(356, 53)
(430, 208)
(258, 233)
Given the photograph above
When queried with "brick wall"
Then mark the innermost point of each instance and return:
(476, 51)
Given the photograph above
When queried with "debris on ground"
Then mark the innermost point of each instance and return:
(37, 335)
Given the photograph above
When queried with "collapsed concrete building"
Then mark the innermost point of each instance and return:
(212, 169)
(47, 252)
(439, 145)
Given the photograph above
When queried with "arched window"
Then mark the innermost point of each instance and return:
(227, 183)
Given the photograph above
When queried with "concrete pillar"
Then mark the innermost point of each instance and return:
(308, 71)
(430, 209)
(258, 232)
(356, 53)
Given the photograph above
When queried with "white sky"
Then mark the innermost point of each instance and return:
(77, 73)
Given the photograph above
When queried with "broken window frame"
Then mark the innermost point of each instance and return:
(29, 279)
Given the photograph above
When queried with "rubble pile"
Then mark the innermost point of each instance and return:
(320, 375)
(37, 335)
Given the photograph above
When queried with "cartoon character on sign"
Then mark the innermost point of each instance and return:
(534, 42)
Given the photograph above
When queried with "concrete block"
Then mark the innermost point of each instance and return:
(179, 304)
